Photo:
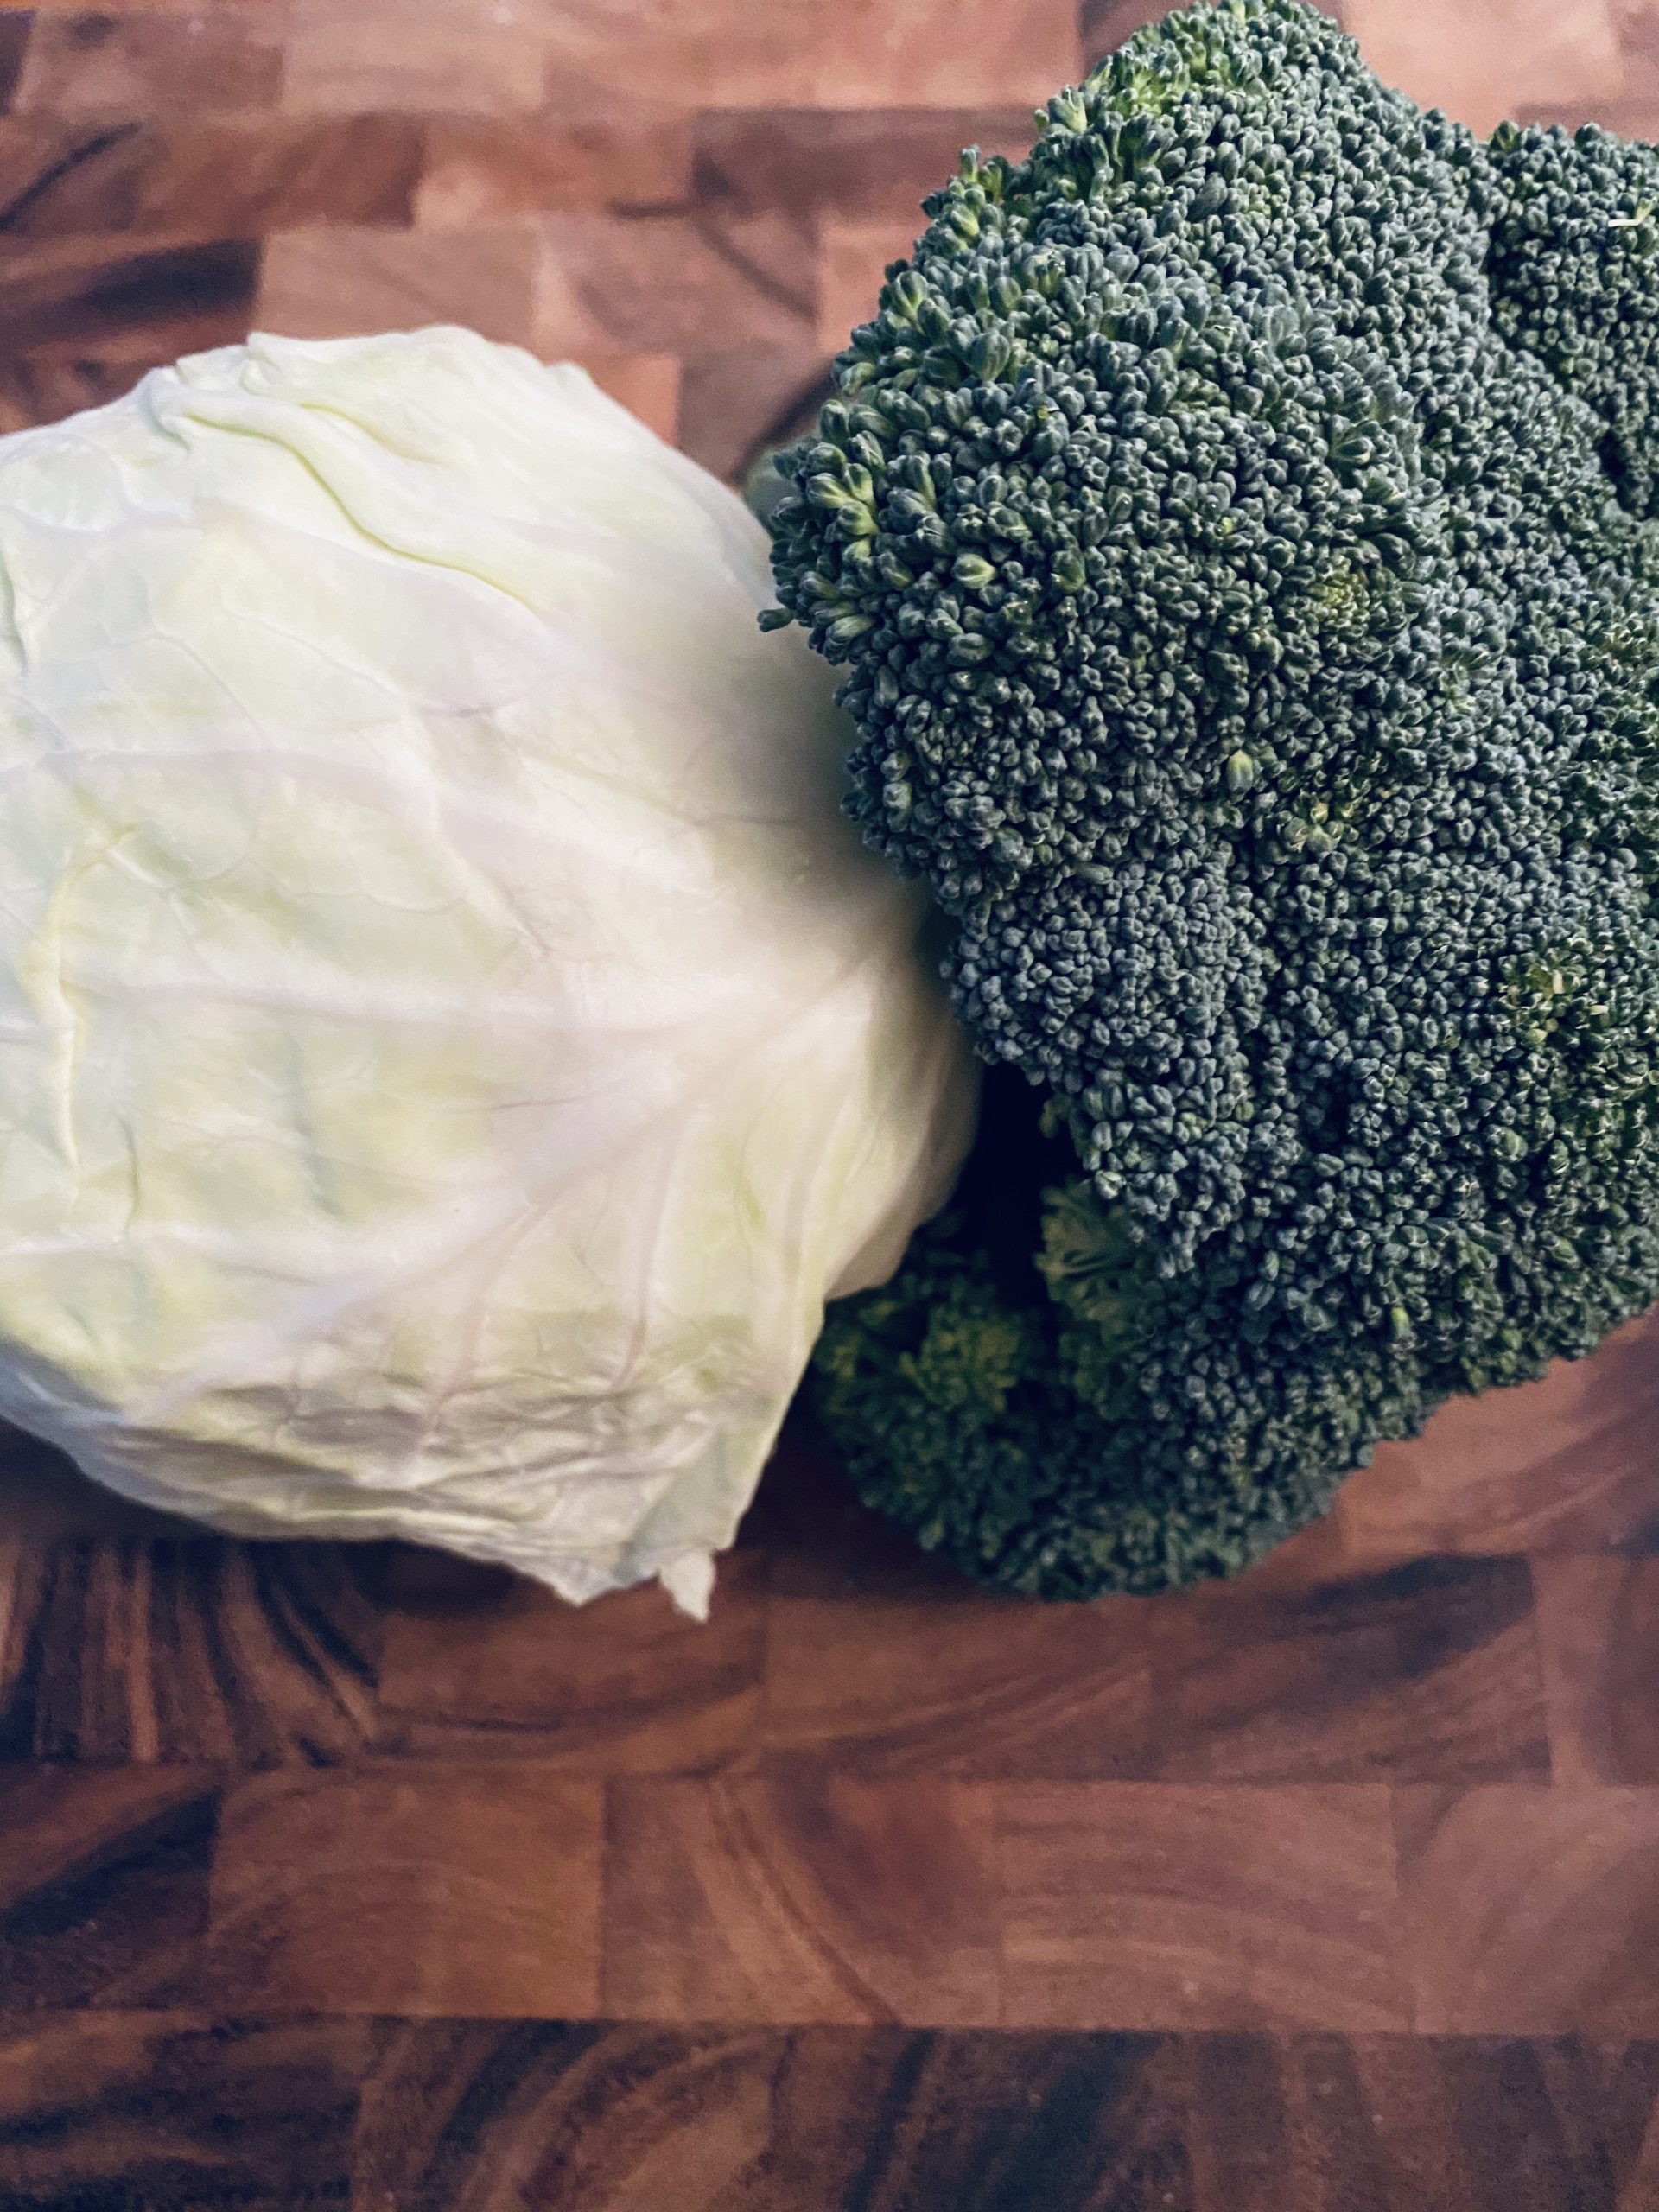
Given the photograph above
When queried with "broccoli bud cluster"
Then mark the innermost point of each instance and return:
(1234, 526)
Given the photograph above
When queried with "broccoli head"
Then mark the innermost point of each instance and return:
(1233, 528)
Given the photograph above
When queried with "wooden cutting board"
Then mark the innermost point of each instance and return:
(359, 1876)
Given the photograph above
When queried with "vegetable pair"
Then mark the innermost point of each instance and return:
(453, 1042)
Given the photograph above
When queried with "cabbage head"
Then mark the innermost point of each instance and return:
(451, 1039)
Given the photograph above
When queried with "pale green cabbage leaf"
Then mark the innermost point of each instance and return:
(451, 1040)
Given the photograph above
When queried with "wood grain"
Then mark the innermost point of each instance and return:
(1425, 1671)
(98, 63)
(1498, 60)
(1567, 1464)
(1531, 1911)
(783, 1899)
(655, 282)
(326, 1870)
(256, 1655)
(104, 299)
(477, 167)
(851, 164)
(334, 281)
(1598, 1627)
(637, 2119)
(1148, 1905)
(629, 1686)
(802, 53)
(538, 2114)
(470, 1889)
(947, 1680)
(202, 179)
(165, 2110)
(1397, 2122)
(104, 1876)
(741, 402)
(15, 25)
(415, 56)
(172, 2110)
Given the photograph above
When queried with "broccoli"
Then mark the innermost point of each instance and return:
(1234, 529)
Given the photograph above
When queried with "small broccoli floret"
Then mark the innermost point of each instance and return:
(1573, 272)
(981, 1400)
(1233, 528)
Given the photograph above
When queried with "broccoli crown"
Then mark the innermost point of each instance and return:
(1233, 525)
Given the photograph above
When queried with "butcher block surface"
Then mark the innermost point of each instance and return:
(360, 1877)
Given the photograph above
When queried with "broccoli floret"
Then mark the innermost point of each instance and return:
(1571, 272)
(1233, 528)
(980, 1399)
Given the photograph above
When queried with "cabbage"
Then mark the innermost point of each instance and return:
(451, 1040)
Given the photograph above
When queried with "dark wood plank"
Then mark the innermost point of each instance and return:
(417, 1579)
(418, 1890)
(336, 280)
(1567, 1464)
(556, 2118)
(796, 54)
(1532, 2125)
(1531, 1911)
(1598, 1625)
(737, 404)
(800, 1899)
(184, 179)
(627, 1685)
(1483, 64)
(1168, 1905)
(656, 283)
(1403, 2124)
(15, 24)
(1426, 1672)
(559, 2118)
(229, 55)
(930, 1675)
(538, 2114)
(256, 1655)
(851, 162)
(414, 58)
(67, 299)
(168, 2111)
(477, 167)
(104, 1883)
